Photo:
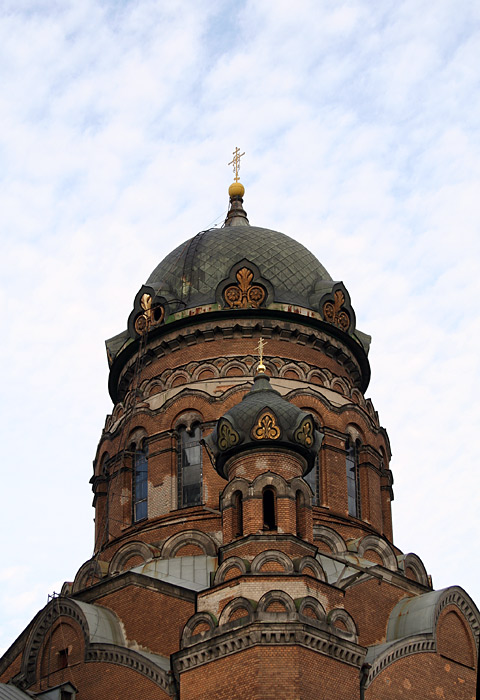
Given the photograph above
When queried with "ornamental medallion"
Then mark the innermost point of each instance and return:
(227, 437)
(266, 427)
(244, 294)
(333, 312)
(304, 434)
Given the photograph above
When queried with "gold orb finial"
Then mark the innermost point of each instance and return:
(236, 189)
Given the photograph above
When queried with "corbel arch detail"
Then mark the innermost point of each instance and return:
(381, 547)
(413, 562)
(89, 573)
(292, 367)
(273, 597)
(233, 606)
(331, 538)
(198, 618)
(341, 615)
(181, 539)
(311, 602)
(230, 563)
(129, 550)
(313, 564)
(272, 555)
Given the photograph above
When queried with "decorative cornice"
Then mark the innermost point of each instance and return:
(114, 654)
(305, 330)
(271, 633)
(421, 643)
(130, 578)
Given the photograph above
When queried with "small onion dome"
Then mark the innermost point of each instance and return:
(264, 419)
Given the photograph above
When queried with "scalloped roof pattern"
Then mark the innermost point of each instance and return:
(192, 272)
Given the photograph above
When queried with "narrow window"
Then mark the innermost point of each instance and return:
(300, 513)
(238, 514)
(189, 467)
(63, 655)
(313, 480)
(140, 484)
(269, 520)
(353, 482)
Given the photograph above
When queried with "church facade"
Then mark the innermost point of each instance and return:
(242, 494)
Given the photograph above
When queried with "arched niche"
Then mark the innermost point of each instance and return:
(232, 609)
(268, 601)
(285, 564)
(332, 539)
(188, 537)
(381, 547)
(130, 555)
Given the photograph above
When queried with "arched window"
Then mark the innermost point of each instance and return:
(189, 466)
(269, 515)
(237, 514)
(313, 480)
(300, 513)
(353, 481)
(140, 483)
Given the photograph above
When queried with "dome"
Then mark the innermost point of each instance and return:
(264, 418)
(190, 275)
(234, 270)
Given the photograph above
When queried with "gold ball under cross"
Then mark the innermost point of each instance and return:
(236, 189)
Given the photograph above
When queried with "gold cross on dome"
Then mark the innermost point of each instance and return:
(261, 344)
(236, 162)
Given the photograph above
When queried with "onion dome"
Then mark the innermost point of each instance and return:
(239, 270)
(264, 419)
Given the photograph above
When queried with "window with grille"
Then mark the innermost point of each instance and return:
(189, 466)
(140, 484)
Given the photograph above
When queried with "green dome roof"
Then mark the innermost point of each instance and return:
(190, 274)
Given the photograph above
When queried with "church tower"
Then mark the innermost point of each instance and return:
(242, 494)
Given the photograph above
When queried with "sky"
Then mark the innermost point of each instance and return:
(360, 126)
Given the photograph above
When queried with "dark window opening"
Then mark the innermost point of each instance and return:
(353, 482)
(300, 513)
(140, 484)
(237, 514)
(190, 467)
(63, 658)
(66, 695)
(269, 519)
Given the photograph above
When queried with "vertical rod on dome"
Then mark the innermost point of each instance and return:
(236, 215)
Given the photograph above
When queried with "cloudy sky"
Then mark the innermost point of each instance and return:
(360, 123)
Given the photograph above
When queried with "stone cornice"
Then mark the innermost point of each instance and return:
(267, 633)
(129, 578)
(421, 643)
(122, 656)
(303, 330)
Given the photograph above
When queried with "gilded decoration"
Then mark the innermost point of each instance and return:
(304, 434)
(333, 313)
(227, 436)
(244, 294)
(266, 427)
(152, 315)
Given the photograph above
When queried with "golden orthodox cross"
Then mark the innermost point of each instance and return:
(236, 162)
(261, 344)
